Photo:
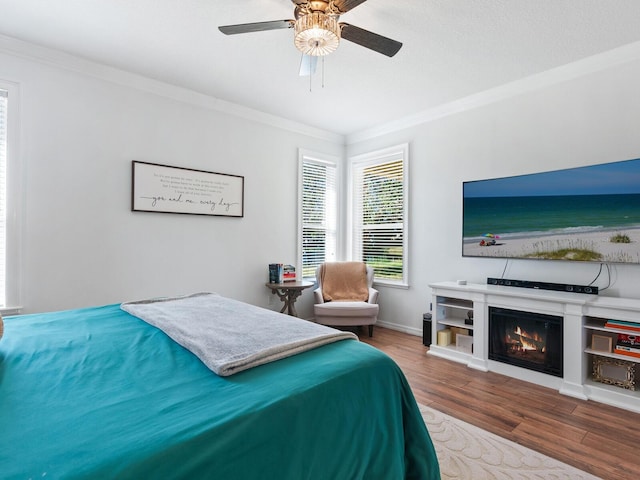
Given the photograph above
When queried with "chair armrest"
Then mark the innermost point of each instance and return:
(317, 293)
(373, 295)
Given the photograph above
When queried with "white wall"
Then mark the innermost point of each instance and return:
(81, 244)
(587, 120)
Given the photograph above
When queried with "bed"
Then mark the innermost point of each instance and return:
(99, 393)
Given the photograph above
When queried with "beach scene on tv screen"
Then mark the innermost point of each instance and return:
(589, 214)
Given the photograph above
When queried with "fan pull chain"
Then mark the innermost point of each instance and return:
(311, 77)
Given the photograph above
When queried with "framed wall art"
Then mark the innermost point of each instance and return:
(167, 189)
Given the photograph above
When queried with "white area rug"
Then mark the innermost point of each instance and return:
(470, 453)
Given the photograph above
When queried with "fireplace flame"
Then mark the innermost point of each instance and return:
(527, 341)
(526, 345)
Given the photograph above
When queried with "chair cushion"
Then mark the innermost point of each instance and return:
(346, 309)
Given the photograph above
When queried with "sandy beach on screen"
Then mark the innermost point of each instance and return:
(596, 241)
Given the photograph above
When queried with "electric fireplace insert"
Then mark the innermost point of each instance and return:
(526, 339)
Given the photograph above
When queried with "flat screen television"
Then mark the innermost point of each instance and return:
(589, 214)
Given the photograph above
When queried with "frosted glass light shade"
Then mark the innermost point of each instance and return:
(317, 34)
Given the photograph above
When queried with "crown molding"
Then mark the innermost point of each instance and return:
(596, 63)
(59, 59)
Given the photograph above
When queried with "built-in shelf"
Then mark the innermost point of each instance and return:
(456, 303)
(611, 394)
(583, 316)
(457, 351)
(600, 353)
(592, 324)
(455, 322)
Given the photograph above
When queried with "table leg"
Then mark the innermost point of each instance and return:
(293, 296)
(288, 297)
(282, 295)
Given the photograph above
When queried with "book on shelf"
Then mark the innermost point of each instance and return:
(623, 325)
(626, 340)
(289, 273)
(628, 345)
(276, 273)
(627, 351)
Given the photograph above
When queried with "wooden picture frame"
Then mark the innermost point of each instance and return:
(167, 189)
(601, 343)
(616, 372)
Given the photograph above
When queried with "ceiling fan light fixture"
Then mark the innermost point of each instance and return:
(317, 34)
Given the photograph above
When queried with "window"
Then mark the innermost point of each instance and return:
(379, 213)
(318, 198)
(9, 199)
(3, 193)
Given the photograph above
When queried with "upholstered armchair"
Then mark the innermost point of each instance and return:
(345, 296)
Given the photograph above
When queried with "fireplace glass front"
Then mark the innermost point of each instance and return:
(526, 339)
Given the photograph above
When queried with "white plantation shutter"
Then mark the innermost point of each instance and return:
(3, 193)
(318, 212)
(379, 213)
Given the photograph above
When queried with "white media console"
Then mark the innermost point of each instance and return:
(583, 316)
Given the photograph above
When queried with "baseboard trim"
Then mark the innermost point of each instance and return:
(391, 326)
(399, 328)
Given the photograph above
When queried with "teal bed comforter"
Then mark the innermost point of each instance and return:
(98, 394)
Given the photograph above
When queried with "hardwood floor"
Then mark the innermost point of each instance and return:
(591, 436)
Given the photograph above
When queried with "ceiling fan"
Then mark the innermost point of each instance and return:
(317, 30)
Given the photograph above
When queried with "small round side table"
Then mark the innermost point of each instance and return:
(289, 292)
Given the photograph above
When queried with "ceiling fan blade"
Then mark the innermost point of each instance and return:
(256, 27)
(308, 65)
(370, 40)
(346, 5)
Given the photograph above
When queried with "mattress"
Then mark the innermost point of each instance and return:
(97, 393)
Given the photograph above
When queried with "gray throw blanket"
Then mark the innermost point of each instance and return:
(230, 336)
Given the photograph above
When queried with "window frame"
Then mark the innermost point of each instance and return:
(358, 163)
(13, 198)
(307, 156)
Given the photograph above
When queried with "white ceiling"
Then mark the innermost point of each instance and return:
(452, 49)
